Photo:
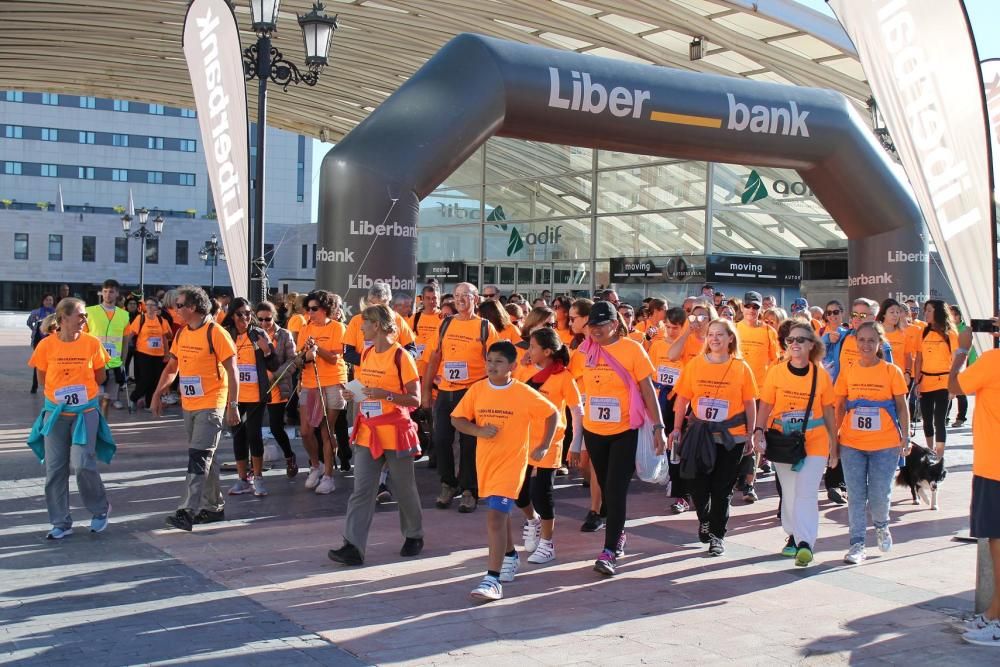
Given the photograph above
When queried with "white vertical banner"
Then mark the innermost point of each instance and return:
(215, 63)
(922, 66)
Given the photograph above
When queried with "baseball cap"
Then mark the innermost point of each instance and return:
(799, 304)
(752, 297)
(602, 312)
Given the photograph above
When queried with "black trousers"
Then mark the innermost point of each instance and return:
(537, 491)
(713, 492)
(444, 436)
(934, 408)
(247, 438)
(963, 407)
(834, 478)
(613, 457)
(276, 422)
(146, 371)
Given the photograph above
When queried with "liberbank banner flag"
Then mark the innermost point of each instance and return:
(922, 66)
(215, 62)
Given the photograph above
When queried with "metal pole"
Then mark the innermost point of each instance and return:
(215, 261)
(142, 263)
(256, 287)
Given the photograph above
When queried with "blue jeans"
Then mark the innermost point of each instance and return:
(869, 478)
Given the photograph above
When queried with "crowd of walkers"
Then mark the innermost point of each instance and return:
(503, 397)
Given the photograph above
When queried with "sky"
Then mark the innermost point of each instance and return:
(984, 15)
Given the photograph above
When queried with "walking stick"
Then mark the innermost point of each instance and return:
(322, 402)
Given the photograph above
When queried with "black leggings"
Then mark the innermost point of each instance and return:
(537, 491)
(934, 408)
(613, 457)
(146, 370)
(276, 422)
(247, 440)
(713, 492)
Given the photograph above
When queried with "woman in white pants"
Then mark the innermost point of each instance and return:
(783, 403)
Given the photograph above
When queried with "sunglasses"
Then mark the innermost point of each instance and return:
(180, 305)
(830, 313)
(551, 325)
(266, 319)
(797, 340)
(82, 315)
(242, 313)
(697, 318)
(752, 306)
(860, 316)
(313, 309)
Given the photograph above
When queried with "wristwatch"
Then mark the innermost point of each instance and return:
(758, 428)
(388, 396)
(234, 405)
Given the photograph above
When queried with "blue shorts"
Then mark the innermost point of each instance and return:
(500, 504)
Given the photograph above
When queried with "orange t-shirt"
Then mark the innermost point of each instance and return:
(69, 367)
(667, 372)
(606, 406)
(788, 394)
(849, 353)
(693, 347)
(562, 392)
(565, 335)
(329, 337)
(718, 391)
(983, 379)
(425, 334)
(246, 369)
(899, 343)
(296, 322)
(759, 347)
(870, 429)
(354, 337)
(511, 333)
(204, 382)
(936, 358)
(152, 338)
(221, 315)
(637, 336)
(378, 370)
(501, 460)
(463, 358)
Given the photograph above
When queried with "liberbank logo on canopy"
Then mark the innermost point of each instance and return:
(586, 95)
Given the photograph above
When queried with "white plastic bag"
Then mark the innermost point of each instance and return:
(649, 466)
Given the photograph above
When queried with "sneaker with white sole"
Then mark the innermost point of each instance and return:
(988, 635)
(544, 553)
(313, 479)
(326, 485)
(240, 487)
(99, 522)
(606, 563)
(531, 534)
(856, 555)
(884, 539)
(488, 590)
(58, 533)
(509, 568)
(259, 489)
(118, 405)
(620, 545)
(977, 622)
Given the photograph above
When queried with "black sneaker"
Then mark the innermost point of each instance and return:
(181, 519)
(384, 495)
(703, 535)
(208, 516)
(412, 547)
(347, 554)
(835, 496)
(749, 494)
(592, 523)
(716, 547)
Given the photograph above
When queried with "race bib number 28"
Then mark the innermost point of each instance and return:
(73, 395)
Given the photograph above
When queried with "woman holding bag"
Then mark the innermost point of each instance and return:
(795, 388)
(615, 375)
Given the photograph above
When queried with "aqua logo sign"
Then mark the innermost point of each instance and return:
(755, 189)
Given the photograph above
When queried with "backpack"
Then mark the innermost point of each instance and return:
(484, 331)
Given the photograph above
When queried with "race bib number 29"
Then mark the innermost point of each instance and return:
(191, 386)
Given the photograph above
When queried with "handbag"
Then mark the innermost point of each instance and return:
(791, 447)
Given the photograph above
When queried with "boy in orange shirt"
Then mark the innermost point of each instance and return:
(498, 411)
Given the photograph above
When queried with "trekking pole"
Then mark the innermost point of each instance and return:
(322, 402)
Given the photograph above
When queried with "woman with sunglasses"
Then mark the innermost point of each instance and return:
(254, 359)
(653, 326)
(833, 318)
(783, 402)
(691, 342)
(938, 340)
(627, 313)
(150, 337)
(561, 306)
(284, 359)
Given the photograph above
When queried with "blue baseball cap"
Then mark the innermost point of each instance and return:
(799, 304)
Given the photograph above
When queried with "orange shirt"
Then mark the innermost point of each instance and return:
(606, 406)
(667, 372)
(329, 337)
(69, 367)
(296, 322)
(637, 336)
(849, 353)
(899, 343)
(718, 391)
(693, 347)
(221, 315)
(463, 358)
(152, 338)
(378, 370)
(870, 429)
(759, 347)
(982, 379)
(354, 337)
(511, 333)
(935, 356)
(562, 392)
(501, 460)
(565, 335)
(246, 369)
(788, 394)
(425, 334)
(204, 382)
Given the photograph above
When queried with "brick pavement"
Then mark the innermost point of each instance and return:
(260, 590)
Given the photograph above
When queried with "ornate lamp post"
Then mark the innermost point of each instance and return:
(211, 253)
(143, 234)
(262, 61)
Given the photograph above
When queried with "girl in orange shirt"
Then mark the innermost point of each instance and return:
(938, 340)
(561, 306)
(496, 314)
(151, 337)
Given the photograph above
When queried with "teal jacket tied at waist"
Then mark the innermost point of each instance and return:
(105, 443)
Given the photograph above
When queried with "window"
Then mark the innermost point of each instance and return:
(152, 251)
(50, 170)
(189, 145)
(181, 252)
(119, 175)
(186, 179)
(20, 241)
(85, 173)
(119, 140)
(88, 102)
(269, 253)
(305, 256)
(300, 172)
(154, 177)
(121, 251)
(314, 255)
(121, 105)
(86, 137)
(52, 99)
(156, 109)
(55, 247)
(188, 113)
(16, 96)
(50, 134)
(89, 248)
(155, 143)
(12, 168)
(13, 132)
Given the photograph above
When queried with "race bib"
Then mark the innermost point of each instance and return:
(371, 408)
(604, 409)
(794, 419)
(668, 375)
(713, 409)
(420, 351)
(73, 395)
(456, 371)
(111, 349)
(191, 386)
(866, 419)
(154, 342)
(247, 373)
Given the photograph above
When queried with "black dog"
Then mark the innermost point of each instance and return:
(923, 474)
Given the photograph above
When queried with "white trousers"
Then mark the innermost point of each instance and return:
(799, 504)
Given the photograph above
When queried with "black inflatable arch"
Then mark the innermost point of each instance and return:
(476, 87)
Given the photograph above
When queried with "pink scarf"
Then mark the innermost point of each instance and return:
(595, 355)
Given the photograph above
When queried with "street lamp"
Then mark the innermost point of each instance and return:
(261, 61)
(143, 234)
(211, 253)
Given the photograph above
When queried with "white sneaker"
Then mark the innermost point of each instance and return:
(326, 485)
(530, 534)
(258, 486)
(977, 622)
(240, 487)
(989, 635)
(884, 539)
(488, 590)
(545, 552)
(313, 479)
(509, 568)
(856, 555)
(118, 405)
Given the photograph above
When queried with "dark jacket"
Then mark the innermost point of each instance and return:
(698, 446)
